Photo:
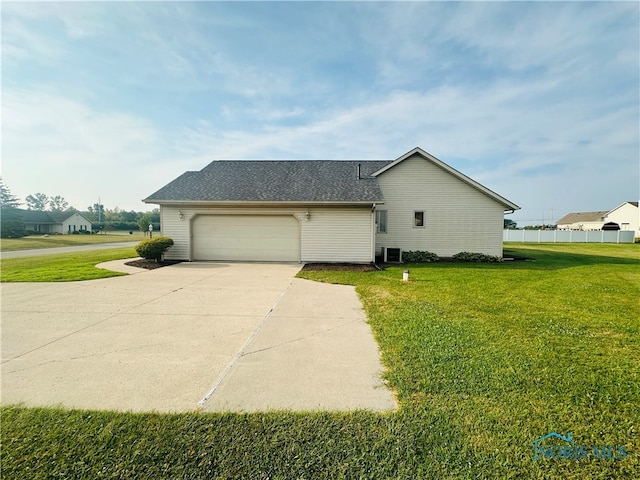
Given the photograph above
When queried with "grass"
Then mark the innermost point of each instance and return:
(64, 267)
(40, 241)
(485, 358)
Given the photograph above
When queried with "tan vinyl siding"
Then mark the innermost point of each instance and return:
(338, 235)
(457, 217)
(171, 226)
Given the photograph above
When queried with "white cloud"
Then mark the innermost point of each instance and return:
(79, 153)
(23, 43)
(536, 101)
(505, 138)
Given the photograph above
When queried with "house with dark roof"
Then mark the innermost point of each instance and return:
(625, 217)
(54, 222)
(328, 211)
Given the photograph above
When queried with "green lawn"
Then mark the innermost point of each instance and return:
(64, 267)
(485, 359)
(40, 241)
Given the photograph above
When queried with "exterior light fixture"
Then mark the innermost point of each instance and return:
(180, 215)
(307, 216)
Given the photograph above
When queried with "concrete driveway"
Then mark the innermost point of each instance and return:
(193, 336)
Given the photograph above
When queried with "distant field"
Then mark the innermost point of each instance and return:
(41, 241)
(484, 359)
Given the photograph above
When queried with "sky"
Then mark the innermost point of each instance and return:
(110, 101)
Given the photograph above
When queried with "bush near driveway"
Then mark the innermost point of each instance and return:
(153, 248)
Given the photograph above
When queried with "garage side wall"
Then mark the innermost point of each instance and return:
(178, 229)
(330, 234)
(338, 235)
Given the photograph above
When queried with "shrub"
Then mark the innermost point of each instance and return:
(475, 257)
(153, 248)
(419, 256)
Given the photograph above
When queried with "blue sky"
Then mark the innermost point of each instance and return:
(538, 101)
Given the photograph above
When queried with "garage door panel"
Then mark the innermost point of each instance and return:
(246, 237)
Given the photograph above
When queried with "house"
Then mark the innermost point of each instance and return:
(54, 222)
(582, 221)
(328, 211)
(626, 216)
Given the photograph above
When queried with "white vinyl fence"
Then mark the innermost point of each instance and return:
(568, 236)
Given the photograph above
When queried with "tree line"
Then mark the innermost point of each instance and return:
(101, 218)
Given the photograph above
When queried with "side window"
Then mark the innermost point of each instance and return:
(418, 219)
(381, 221)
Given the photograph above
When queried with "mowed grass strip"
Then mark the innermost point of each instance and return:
(485, 359)
(40, 241)
(62, 267)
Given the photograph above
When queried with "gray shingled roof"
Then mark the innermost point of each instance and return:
(36, 216)
(581, 217)
(275, 181)
(43, 218)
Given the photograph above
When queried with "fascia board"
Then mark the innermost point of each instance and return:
(201, 203)
(619, 206)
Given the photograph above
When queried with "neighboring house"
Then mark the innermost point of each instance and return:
(626, 216)
(582, 221)
(54, 222)
(328, 211)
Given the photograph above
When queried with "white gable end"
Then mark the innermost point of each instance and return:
(458, 216)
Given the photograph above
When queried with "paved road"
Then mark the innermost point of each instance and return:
(52, 251)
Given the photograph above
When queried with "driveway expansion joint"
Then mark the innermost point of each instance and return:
(240, 353)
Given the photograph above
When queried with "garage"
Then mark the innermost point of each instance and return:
(273, 238)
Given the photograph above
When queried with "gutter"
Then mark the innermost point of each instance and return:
(199, 203)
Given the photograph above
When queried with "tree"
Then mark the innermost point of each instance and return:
(540, 227)
(11, 223)
(143, 222)
(128, 216)
(58, 204)
(98, 210)
(37, 201)
(7, 199)
(510, 224)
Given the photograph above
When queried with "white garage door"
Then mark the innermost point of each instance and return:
(246, 237)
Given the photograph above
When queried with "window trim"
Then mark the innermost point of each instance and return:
(379, 213)
(415, 219)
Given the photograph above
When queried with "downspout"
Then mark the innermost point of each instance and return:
(373, 234)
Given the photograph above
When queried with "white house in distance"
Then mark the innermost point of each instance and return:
(55, 222)
(328, 211)
(626, 216)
